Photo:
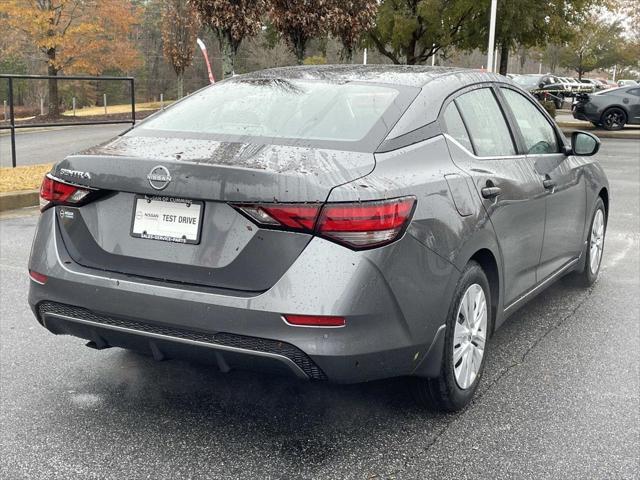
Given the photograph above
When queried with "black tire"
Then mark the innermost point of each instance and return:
(443, 393)
(613, 118)
(585, 276)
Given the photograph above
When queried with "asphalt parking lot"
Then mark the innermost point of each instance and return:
(560, 397)
(48, 145)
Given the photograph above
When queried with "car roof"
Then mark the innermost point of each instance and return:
(401, 75)
(435, 84)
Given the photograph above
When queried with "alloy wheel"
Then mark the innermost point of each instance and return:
(614, 120)
(596, 242)
(469, 336)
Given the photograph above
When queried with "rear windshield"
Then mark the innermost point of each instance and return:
(295, 109)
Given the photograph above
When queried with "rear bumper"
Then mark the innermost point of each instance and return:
(394, 300)
(227, 351)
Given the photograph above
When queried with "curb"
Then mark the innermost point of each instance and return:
(6, 133)
(14, 200)
(631, 134)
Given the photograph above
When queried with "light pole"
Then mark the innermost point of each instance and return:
(492, 36)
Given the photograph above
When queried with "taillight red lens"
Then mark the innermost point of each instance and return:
(358, 225)
(294, 216)
(54, 192)
(315, 320)
(366, 224)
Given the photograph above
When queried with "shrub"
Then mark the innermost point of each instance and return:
(550, 107)
(315, 60)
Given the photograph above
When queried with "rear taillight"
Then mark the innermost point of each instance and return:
(366, 224)
(56, 192)
(358, 225)
(291, 216)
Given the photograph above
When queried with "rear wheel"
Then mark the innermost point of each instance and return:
(467, 331)
(614, 118)
(594, 248)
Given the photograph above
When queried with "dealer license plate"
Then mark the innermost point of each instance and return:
(167, 219)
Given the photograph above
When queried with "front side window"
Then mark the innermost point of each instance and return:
(487, 126)
(294, 109)
(539, 136)
(454, 126)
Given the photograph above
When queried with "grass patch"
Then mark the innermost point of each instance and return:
(123, 108)
(22, 178)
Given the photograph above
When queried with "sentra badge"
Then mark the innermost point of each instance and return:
(75, 174)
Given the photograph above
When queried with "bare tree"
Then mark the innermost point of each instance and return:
(179, 31)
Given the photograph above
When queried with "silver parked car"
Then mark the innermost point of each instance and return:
(343, 223)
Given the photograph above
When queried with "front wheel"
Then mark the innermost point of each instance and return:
(466, 337)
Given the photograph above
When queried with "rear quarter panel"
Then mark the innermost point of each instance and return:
(449, 224)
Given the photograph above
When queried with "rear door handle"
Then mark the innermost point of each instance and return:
(490, 192)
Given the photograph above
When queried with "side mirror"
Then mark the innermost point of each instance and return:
(584, 144)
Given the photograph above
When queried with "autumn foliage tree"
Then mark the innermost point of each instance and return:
(179, 32)
(232, 21)
(298, 21)
(348, 20)
(87, 36)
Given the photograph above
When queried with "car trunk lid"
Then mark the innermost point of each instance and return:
(231, 251)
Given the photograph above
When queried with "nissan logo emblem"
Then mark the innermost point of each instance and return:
(159, 177)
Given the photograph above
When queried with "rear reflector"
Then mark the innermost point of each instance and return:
(38, 277)
(315, 320)
(358, 225)
(55, 192)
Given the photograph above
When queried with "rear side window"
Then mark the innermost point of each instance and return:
(539, 136)
(455, 127)
(487, 127)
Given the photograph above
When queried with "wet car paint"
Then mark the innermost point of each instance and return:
(396, 297)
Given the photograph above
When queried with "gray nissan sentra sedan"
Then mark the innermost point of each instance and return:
(342, 223)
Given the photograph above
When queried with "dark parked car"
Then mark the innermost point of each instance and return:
(544, 87)
(343, 223)
(610, 109)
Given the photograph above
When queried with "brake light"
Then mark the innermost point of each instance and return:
(56, 192)
(358, 225)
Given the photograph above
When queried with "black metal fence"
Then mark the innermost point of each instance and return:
(12, 120)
